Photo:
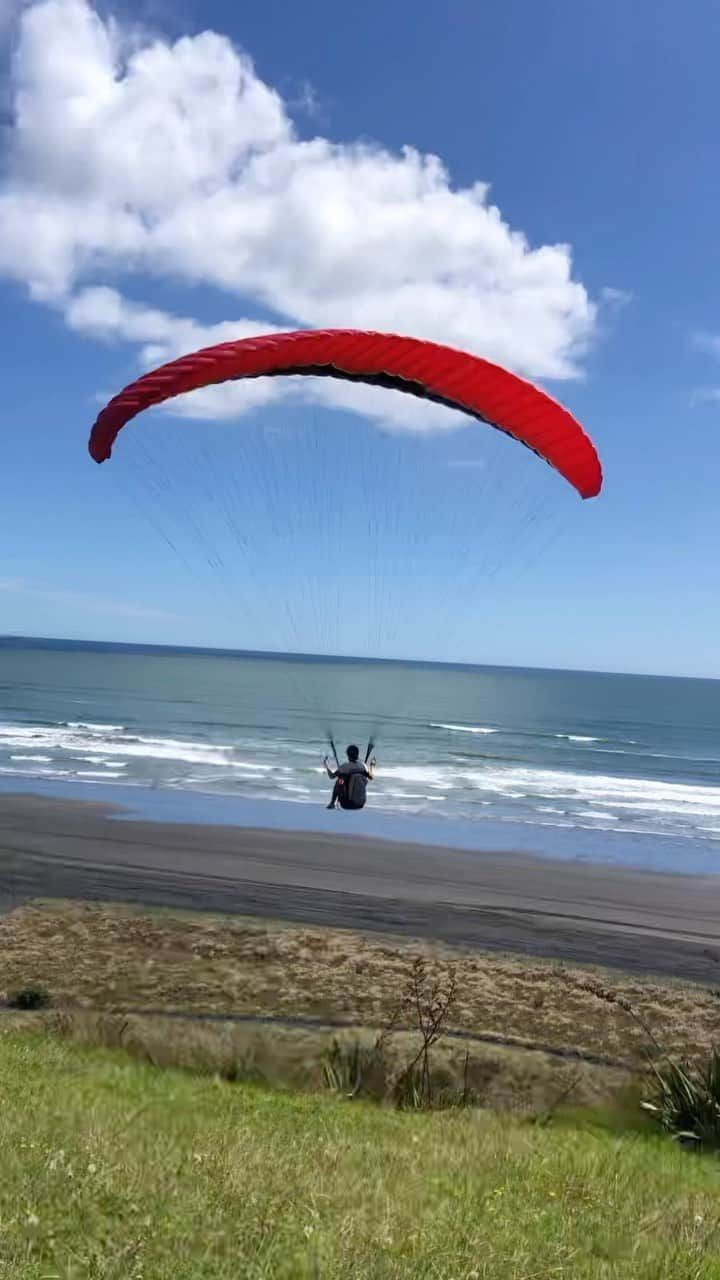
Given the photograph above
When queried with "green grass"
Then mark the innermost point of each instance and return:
(116, 1170)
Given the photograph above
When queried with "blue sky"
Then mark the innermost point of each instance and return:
(594, 125)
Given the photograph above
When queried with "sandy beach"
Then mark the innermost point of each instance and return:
(633, 920)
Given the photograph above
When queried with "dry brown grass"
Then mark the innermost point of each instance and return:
(107, 958)
(290, 1058)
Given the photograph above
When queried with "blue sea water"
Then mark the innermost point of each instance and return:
(623, 768)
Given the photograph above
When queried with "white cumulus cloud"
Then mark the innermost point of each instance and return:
(137, 158)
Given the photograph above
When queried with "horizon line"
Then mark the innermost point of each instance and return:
(8, 639)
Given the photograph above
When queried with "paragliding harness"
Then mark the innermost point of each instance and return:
(354, 791)
(352, 787)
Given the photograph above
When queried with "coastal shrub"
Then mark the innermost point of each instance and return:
(685, 1101)
(31, 997)
(358, 1070)
(685, 1096)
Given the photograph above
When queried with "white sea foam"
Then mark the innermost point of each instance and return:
(109, 764)
(37, 773)
(463, 728)
(406, 795)
(593, 813)
(581, 791)
(617, 792)
(94, 728)
(426, 774)
(97, 773)
(78, 740)
(460, 785)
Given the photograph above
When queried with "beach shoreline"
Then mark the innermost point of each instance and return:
(634, 920)
(198, 807)
(620, 770)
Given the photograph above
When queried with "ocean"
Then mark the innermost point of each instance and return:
(616, 767)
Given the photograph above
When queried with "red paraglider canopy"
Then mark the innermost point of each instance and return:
(425, 369)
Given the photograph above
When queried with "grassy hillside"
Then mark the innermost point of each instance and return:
(118, 1170)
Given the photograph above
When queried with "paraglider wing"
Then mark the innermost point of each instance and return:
(425, 369)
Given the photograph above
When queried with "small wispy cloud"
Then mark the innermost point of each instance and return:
(706, 341)
(86, 600)
(703, 340)
(305, 101)
(616, 298)
(704, 395)
(9, 13)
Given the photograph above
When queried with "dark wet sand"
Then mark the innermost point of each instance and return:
(633, 920)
